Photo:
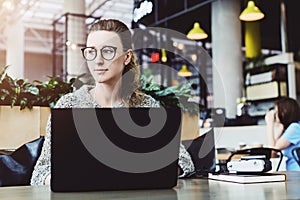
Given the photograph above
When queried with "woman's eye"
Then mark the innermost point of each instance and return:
(91, 51)
(108, 51)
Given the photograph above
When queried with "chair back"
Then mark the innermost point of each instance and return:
(202, 151)
(259, 151)
(296, 154)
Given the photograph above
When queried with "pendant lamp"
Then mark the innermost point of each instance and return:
(184, 71)
(197, 33)
(251, 13)
(164, 55)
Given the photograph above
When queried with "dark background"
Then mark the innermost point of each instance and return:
(270, 24)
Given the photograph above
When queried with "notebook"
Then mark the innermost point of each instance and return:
(249, 178)
(114, 148)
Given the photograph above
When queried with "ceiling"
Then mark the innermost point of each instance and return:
(38, 16)
(269, 26)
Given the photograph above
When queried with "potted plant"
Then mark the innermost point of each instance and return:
(176, 96)
(21, 92)
(25, 107)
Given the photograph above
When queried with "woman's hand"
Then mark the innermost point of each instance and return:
(270, 117)
(179, 171)
(47, 180)
(274, 140)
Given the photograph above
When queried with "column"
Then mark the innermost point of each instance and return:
(15, 49)
(74, 64)
(226, 55)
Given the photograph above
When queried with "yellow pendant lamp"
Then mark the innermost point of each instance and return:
(184, 71)
(163, 55)
(251, 13)
(197, 33)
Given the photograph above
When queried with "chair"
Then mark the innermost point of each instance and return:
(296, 154)
(202, 151)
(259, 151)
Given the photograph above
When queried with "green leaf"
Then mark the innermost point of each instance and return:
(26, 94)
(3, 72)
(37, 81)
(33, 90)
(20, 82)
(173, 96)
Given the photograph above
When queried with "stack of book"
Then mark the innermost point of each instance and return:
(249, 178)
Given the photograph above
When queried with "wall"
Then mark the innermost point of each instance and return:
(37, 66)
(230, 137)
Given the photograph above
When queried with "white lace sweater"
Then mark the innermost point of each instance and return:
(81, 98)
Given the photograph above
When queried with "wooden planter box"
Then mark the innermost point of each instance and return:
(18, 127)
(190, 126)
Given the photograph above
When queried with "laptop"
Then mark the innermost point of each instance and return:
(95, 149)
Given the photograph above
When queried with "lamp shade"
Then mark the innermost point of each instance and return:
(184, 71)
(251, 13)
(196, 33)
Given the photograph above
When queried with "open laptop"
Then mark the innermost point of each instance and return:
(114, 148)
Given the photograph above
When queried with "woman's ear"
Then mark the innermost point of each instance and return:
(128, 57)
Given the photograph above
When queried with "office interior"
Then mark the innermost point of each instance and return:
(42, 38)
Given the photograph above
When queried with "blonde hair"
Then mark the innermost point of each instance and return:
(130, 89)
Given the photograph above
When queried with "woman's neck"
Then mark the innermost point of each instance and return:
(107, 95)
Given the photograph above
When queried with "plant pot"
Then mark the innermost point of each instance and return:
(21, 126)
(189, 126)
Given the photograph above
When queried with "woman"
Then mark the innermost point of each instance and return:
(287, 113)
(113, 66)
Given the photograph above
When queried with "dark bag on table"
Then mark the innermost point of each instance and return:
(16, 168)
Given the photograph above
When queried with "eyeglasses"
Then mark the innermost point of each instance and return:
(107, 53)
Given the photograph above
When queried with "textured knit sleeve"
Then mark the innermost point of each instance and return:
(149, 101)
(43, 167)
(185, 162)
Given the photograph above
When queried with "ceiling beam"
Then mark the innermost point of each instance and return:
(40, 38)
(32, 11)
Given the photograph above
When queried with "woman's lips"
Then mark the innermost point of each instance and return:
(100, 71)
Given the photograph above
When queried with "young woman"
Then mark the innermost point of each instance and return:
(113, 66)
(287, 113)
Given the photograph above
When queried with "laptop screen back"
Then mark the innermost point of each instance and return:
(114, 148)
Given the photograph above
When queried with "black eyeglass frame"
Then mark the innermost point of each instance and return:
(114, 48)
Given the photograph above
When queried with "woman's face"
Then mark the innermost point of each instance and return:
(110, 59)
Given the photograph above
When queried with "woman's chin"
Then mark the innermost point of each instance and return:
(100, 78)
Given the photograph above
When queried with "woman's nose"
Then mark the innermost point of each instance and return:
(99, 59)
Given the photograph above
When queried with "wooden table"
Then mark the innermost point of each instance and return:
(187, 189)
